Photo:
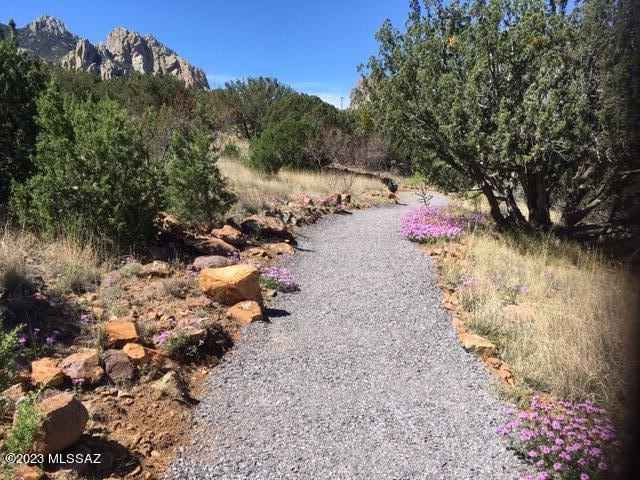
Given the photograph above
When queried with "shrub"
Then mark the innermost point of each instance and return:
(196, 192)
(230, 149)
(178, 344)
(278, 278)
(27, 418)
(8, 347)
(74, 263)
(564, 440)
(91, 173)
(283, 145)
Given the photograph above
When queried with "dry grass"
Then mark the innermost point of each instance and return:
(562, 317)
(256, 191)
(72, 265)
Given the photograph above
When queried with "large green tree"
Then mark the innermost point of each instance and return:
(496, 95)
(21, 80)
(91, 173)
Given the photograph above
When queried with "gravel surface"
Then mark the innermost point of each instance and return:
(358, 375)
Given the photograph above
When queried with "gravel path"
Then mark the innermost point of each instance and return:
(364, 378)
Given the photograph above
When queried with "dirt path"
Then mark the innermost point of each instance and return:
(359, 375)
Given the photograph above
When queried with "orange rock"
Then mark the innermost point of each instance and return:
(63, 420)
(477, 344)
(246, 312)
(230, 285)
(215, 246)
(120, 331)
(46, 371)
(27, 472)
(230, 235)
(280, 248)
(140, 355)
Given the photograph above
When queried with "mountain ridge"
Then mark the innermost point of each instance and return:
(122, 53)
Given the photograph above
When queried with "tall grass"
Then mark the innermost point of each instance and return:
(562, 317)
(256, 191)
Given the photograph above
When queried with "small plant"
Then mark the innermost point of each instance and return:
(231, 150)
(77, 385)
(564, 440)
(130, 270)
(9, 343)
(278, 278)
(178, 287)
(179, 343)
(27, 418)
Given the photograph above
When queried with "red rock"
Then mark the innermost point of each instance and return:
(46, 371)
(63, 421)
(84, 364)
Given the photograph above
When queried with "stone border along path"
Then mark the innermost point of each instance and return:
(359, 375)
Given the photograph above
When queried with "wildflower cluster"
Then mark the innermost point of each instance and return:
(278, 278)
(564, 440)
(432, 222)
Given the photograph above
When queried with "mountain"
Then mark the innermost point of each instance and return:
(123, 52)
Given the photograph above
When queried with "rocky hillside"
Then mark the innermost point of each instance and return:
(123, 52)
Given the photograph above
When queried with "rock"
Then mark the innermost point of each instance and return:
(118, 366)
(119, 332)
(124, 53)
(260, 227)
(280, 248)
(230, 285)
(84, 364)
(9, 397)
(139, 355)
(477, 344)
(212, 261)
(332, 201)
(230, 235)
(46, 371)
(63, 421)
(257, 253)
(156, 268)
(136, 354)
(170, 385)
(246, 312)
(214, 246)
(27, 472)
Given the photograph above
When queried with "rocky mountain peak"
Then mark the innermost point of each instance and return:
(47, 23)
(124, 52)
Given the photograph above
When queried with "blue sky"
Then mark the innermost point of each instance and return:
(314, 46)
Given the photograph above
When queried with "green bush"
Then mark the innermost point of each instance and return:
(92, 173)
(284, 144)
(27, 419)
(195, 190)
(230, 149)
(8, 347)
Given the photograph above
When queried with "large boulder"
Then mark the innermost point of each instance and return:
(46, 371)
(84, 364)
(212, 261)
(118, 366)
(63, 421)
(230, 285)
(230, 235)
(245, 312)
(214, 246)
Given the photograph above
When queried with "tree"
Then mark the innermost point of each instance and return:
(196, 192)
(250, 101)
(284, 144)
(495, 95)
(21, 80)
(90, 173)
